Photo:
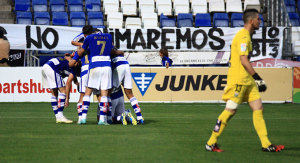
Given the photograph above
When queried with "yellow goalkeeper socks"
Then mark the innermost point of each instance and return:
(260, 127)
(219, 127)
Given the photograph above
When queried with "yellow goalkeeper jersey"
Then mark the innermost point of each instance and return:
(241, 45)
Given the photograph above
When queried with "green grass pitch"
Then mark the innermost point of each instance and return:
(171, 133)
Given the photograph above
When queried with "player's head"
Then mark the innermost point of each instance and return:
(164, 52)
(251, 17)
(1, 33)
(87, 30)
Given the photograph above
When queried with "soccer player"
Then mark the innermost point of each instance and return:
(122, 74)
(53, 73)
(100, 74)
(243, 85)
(78, 41)
(165, 60)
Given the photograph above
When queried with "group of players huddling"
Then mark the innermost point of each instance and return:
(243, 83)
(102, 70)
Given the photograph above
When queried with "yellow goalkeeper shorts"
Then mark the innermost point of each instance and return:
(241, 93)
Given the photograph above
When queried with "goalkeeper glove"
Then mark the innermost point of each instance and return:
(261, 84)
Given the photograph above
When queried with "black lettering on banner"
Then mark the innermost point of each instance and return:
(194, 39)
(216, 38)
(164, 38)
(273, 33)
(4, 32)
(151, 40)
(45, 41)
(180, 85)
(186, 37)
(221, 81)
(125, 36)
(191, 82)
(138, 35)
(164, 85)
(30, 40)
(208, 82)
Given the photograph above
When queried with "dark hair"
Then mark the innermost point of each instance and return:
(249, 14)
(88, 29)
(1, 33)
(164, 51)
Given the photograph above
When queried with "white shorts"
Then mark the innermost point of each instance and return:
(100, 78)
(50, 78)
(83, 83)
(118, 106)
(122, 74)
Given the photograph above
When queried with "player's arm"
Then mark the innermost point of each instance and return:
(75, 43)
(261, 84)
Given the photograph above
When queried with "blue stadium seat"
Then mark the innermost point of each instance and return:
(40, 5)
(24, 17)
(75, 5)
(22, 5)
(185, 20)
(60, 18)
(262, 20)
(167, 22)
(57, 5)
(221, 20)
(294, 18)
(93, 5)
(41, 18)
(290, 5)
(203, 20)
(95, 19)
(77, 19)
(237, 20)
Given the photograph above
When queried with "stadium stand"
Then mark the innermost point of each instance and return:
(42, 18)
(146, 6)
(181, 6)
(77, 19)
(237, 20)
(198, 6)
(22, 5)
(129, 7)
(110, 6)
(203, 20)
(294, 18)
(290, 5)
(40, 5)
(93, 5)
(216, 6)
(166, 21)
(252, 4)
(164, 7)
(115, 20)
(60, 18)
(149, 20)
(262, 20)
(75, 5)
(220, 20)
(185, 20)
(57, 5)
(235, 6)
(133, 22)
(95, 19)
(24, 17)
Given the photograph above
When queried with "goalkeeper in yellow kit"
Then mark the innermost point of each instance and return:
(243, 85)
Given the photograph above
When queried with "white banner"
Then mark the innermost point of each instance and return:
(25, 85)
(179, 58)
(267, 42)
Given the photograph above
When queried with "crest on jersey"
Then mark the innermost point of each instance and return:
(143, 80)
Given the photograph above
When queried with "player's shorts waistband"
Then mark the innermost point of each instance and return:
(101, 58)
